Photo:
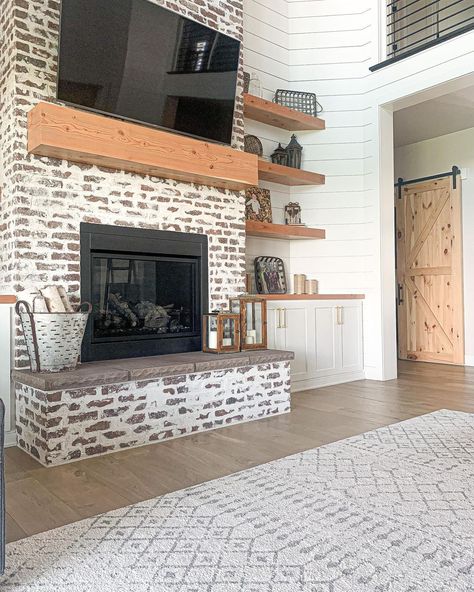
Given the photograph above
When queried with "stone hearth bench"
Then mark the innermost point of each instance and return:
(104, 407)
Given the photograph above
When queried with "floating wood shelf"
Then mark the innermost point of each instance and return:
(283, 231)
(312, 296)
(276, 173)
(275, 115)
(79, 136)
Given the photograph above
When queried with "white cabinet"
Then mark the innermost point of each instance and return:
(5, 368)
(326, 336)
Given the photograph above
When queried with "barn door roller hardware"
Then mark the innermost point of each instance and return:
(454, 172)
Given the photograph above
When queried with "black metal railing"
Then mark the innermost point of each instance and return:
(415, 25)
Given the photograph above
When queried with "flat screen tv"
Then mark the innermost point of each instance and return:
(138, 61)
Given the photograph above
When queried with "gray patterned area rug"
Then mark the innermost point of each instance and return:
(388, 511)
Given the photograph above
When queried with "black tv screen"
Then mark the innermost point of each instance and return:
(138, 61)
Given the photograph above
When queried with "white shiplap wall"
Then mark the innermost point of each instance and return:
(326, 47)
(330, 51)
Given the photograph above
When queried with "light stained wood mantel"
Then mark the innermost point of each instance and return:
(270, 113)
(79, 136)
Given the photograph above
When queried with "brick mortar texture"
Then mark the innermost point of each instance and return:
(44, 200)
(63, 426)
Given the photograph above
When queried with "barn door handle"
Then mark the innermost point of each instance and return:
(400, 294)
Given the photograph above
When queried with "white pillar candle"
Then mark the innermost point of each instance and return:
(212, 340)
(227, 342)
(250, 340)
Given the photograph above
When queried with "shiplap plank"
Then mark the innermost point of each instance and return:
(332, 55)
(309, 8)
(329, 23)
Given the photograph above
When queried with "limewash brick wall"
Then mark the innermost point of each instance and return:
(44, 200)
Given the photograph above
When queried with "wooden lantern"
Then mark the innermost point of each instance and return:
(221, 333)
(253, 321)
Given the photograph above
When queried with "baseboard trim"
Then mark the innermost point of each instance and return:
(305, 385)
(10, 439)
(468, 360)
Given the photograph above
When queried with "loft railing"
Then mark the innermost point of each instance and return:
(415, 25)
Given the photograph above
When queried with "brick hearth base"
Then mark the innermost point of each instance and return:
(71, 423)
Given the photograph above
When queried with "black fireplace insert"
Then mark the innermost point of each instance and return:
(148, 290)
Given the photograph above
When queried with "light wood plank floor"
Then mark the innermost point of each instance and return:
(39, 499)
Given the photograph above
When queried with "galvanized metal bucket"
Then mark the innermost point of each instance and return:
(53, 339)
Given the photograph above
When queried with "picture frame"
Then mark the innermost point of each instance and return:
(258, 205)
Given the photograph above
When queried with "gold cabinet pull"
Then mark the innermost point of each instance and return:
(278, 310)
(340, 315)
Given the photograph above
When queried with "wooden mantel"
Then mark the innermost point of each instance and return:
(80, 136)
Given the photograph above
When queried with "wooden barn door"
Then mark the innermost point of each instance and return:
(429, 272)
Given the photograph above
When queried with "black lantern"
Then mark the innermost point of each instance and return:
(280, 156)
(294, 151)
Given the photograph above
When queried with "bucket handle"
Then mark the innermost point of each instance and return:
(18, 306)
(23, 303)
(85, 303)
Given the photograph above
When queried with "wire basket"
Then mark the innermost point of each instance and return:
(303, 102)
(53, 339)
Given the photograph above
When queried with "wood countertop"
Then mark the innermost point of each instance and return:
(311, 296)
(7, 299)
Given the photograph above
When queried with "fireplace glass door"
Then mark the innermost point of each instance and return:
(143, 297)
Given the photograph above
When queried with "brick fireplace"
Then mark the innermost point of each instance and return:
(51, 207)
(45, 200)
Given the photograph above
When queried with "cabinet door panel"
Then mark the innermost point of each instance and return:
(273, 333)
(351, 339)
(296, 339)
(326, 345)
